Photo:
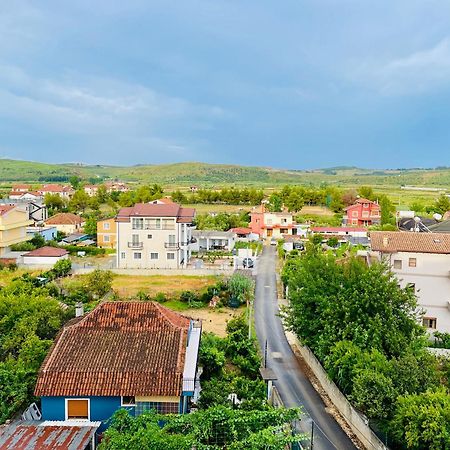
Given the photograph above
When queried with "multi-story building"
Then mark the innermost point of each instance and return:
(154, 236)
(271, 224)
(106, 233)
(65, 192)
(420, 261)
(363, 213)
(14, 221)
(67, 223)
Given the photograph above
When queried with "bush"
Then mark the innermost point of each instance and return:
(241, 287)
(160, 297)
(23, 247)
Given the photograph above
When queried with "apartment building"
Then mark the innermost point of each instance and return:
(420, 261)
(14, 221)
(271, 224)
(154, 236)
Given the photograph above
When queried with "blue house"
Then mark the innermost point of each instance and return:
(133, 355)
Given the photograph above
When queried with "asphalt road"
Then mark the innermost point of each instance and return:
(294, 387)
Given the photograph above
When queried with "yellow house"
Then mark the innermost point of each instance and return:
(13, 226)
(106, 233)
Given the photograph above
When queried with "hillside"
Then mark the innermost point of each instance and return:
(208, 175)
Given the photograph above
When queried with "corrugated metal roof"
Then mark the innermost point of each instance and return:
(31, 435)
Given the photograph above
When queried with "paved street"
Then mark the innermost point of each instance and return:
(294, 387)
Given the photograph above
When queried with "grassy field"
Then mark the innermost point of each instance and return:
(171, 285)
(6, 276)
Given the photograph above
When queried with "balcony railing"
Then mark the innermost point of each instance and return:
(172, 245)
(137, 245)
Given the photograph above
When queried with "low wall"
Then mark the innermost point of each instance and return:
(199, 272)
(357, 422)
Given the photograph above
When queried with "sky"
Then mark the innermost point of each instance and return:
(294, 84)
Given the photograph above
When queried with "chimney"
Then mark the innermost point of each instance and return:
(79, 309)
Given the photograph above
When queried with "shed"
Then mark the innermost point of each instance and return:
(45, 256)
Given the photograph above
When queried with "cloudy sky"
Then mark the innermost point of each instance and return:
(293, 83)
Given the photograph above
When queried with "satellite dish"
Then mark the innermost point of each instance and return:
(437, 216)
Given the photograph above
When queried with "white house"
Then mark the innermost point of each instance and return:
(207, 240)
(154, 236)
(422, 262)
(340, 232)
(45, 256)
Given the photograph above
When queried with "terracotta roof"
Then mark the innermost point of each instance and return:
(241, 230)
(184, 215)
(64, 219)
(120, 348)
(55, 188)
(398, 241)
(5, 208)
(17, 187)
(47, 251)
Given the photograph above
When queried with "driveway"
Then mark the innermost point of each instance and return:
(294, 387)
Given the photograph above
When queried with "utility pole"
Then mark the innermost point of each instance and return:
(265, 355)
(312, 435)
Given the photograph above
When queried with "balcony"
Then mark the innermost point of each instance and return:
(136, 245)
(172, 245)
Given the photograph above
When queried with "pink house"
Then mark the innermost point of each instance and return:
(363, 213)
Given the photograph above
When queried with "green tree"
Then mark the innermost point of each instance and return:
(422, 421)
(99, 282)
(366, 192)
(79, 201)
(90, 227)
(54, 202)
(75, 181)
(442, 204)
(275, 203)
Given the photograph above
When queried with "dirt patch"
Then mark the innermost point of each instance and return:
(316, 211)
(214, 320)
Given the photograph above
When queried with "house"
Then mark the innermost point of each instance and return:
(20, 188)
(14, 221)
(154, 236)
(74, 239)
(65, 192)
(67, 223)
(340, 232)
(244, 234)
(91, 189)
(133, 355)
(106, 233)
(116, 186)
(363, 213)
(271, 224)
(193, 188)
(208, 240)
(37, 211)
(45, 256)
(48, 233)
(293, 242)
(420, 261)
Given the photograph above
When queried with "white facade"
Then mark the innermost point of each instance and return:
(43, 260)
(153, 243)
(429, 275)
(210, 240)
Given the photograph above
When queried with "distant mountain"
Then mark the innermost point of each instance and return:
(209, 175)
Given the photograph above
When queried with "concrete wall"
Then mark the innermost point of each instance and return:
(356, 421)
(226, 270)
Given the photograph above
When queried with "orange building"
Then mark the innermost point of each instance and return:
(106, 233)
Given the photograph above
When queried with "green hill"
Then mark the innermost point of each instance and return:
(209, 175)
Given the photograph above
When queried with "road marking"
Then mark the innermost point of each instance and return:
(267, 286)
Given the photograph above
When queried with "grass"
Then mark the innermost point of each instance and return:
(171, 285)
(6, 275)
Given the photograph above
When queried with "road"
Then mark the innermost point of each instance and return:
(294, 387)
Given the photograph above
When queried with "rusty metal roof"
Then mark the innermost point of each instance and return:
(34, 435)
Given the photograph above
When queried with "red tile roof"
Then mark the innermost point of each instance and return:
(47, 251)
(5, 208)
(408, 241)
(338, 229)
(241, 230)
(64, 219)
(55, 188)
(120, 348)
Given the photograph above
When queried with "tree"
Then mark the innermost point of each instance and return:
(62, 268)
(75, 181)
(241, 287)
(37, 240)
(442, 204)
(275, 203)
(79, 201)
(294, 202)
(387, 210)
(422, 421)
(54, 202)
(99, 282)
(90, 227)
(366, 192)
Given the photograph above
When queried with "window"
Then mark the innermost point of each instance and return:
(137, 223)
(135, 239)
(77, 409)
(170, 255)
(106, 226)
(355, 213)
(106, 238)
(128, 400)
(122, 255)
(171, 239)
(160, 407)
(412, 262)
(429, 322)
(153, 224)
(149, 236)
(397, 263)
(137, 255)
(269, 221)
(153, 255)
(168, 224)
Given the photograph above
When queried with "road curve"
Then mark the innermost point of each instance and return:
(293, 385)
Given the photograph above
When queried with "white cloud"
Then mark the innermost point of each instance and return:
(421, 71)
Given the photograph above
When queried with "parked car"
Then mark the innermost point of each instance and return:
(273, 241)
(248, 263)
(298, 246)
